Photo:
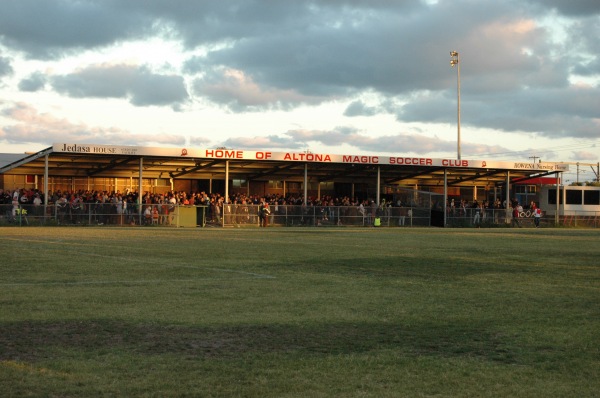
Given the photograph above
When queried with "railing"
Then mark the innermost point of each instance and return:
(233, 215)
(89, 214)
(315, 216)
(581, 219)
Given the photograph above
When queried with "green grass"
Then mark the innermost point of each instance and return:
(286, 312)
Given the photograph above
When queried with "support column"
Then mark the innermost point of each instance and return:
(507, 190)
(378, 196)
(507, 206)
(444, 206)
(556, 216)
(305, 182)
(46, 184)
(318, 190)
(226, 182)
(140, 189)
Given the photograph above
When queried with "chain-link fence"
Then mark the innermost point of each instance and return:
(305, 215)
(236, 215)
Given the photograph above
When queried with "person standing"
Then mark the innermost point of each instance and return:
(537, 215)
(37, 205)
(477, 216)
(516, 214)
(263, 213)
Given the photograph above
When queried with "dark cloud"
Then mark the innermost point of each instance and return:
(49, 29)
(358, 108)
(583, 47)
(6, 68)
(35, 82)
(571, 8)
(137, 84)
(552, 113)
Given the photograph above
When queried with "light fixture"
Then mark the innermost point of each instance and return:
(455, 61)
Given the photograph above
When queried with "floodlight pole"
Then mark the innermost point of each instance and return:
(455, 61)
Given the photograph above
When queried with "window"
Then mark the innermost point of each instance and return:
(591, 198)
(552, 197)
(276, 184)
(574, 197)
(525, 188)
(239, 183)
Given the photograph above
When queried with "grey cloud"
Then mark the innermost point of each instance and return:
(139, 85)
(571, 7)
(6, 68)
(48, 29)
(552, 113)
(583, 46)
(35, 82)
(358, 108)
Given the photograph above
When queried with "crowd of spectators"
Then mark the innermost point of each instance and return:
(109, 207)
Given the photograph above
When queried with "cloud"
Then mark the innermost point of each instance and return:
(30, 126)
(359, 108)
(51, 29)
(240, 92)
(571, 8)
(549, 112)
(361, 141)
(263, 142)
(35, 82)
(5, 67)
(583, 47)
(519, 62)
(199, 141)
(137, 84)
(583, 156)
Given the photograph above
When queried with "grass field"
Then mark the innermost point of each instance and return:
(287, 312)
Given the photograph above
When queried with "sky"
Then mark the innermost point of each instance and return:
(325, 76)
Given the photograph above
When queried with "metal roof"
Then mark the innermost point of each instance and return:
(124, 162)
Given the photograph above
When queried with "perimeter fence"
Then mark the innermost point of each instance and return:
(238, 215)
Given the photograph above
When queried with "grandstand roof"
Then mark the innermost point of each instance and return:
(76, 160)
